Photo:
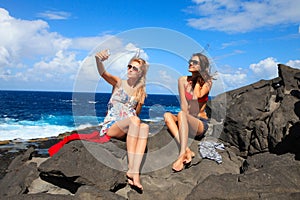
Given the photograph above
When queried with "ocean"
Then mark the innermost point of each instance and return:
(34, 114)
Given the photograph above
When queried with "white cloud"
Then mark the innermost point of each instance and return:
(4, 56)
(294, 63)
(30, 53)
(55, 69)
(268, 69)
(265, 69)
(242, 16)
(54, 15)
(31, 56)
(232, 80)
(21, 39)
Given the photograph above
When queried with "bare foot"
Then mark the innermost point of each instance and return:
(179, 163)
(134, 180)
(189, 155)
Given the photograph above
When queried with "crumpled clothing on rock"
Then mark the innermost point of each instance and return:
(207, 149)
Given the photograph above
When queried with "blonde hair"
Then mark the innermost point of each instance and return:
(140, 94)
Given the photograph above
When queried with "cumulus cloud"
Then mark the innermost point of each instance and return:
(27, 39)
(267, 68)
(56, 68)
(232, 80)
(31, 55)
(294, 63)
(242, 16)
(30, 52)
(4, 56)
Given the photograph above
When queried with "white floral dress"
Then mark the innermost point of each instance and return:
(120, 106)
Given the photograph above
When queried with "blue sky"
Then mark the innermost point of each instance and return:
(49, 45)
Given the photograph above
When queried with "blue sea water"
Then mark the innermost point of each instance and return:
(33, 114)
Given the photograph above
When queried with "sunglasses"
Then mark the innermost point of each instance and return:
(133, 67)
(194, 62)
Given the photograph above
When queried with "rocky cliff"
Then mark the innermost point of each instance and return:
(264, 116)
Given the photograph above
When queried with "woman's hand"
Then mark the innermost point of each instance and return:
(102, 55)
(197, 90)
(200, 91)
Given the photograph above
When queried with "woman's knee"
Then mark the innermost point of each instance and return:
(168, 117)
(144, 130)
(135, 120)
(144, 126)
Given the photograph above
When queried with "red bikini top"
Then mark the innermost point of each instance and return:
(189, 97)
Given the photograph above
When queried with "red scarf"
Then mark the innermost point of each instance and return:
(91, 137)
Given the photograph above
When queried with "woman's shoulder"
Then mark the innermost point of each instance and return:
(119, 83)
(123, 82)
(183, 78)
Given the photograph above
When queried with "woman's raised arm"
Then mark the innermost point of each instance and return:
(100, 57)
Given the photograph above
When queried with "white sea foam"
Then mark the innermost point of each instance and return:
(155, 119)
(11, 129)
(83, 126)
(26, 131)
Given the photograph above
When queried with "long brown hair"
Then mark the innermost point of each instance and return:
(204, 72)
(140, 94)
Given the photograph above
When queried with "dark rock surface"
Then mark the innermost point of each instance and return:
(80, 171)
(268, 177)
(83, 169)
(263, 116)
(261, 137)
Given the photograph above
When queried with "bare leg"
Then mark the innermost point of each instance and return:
(183, 138)
(186, 123)
(137, 154)
(170, 121)
(131, 142)
(132, 127)
(196, 127)
(119, 129)
(183, 131)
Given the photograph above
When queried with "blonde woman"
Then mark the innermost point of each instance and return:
(122, 114)
(192, 119)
